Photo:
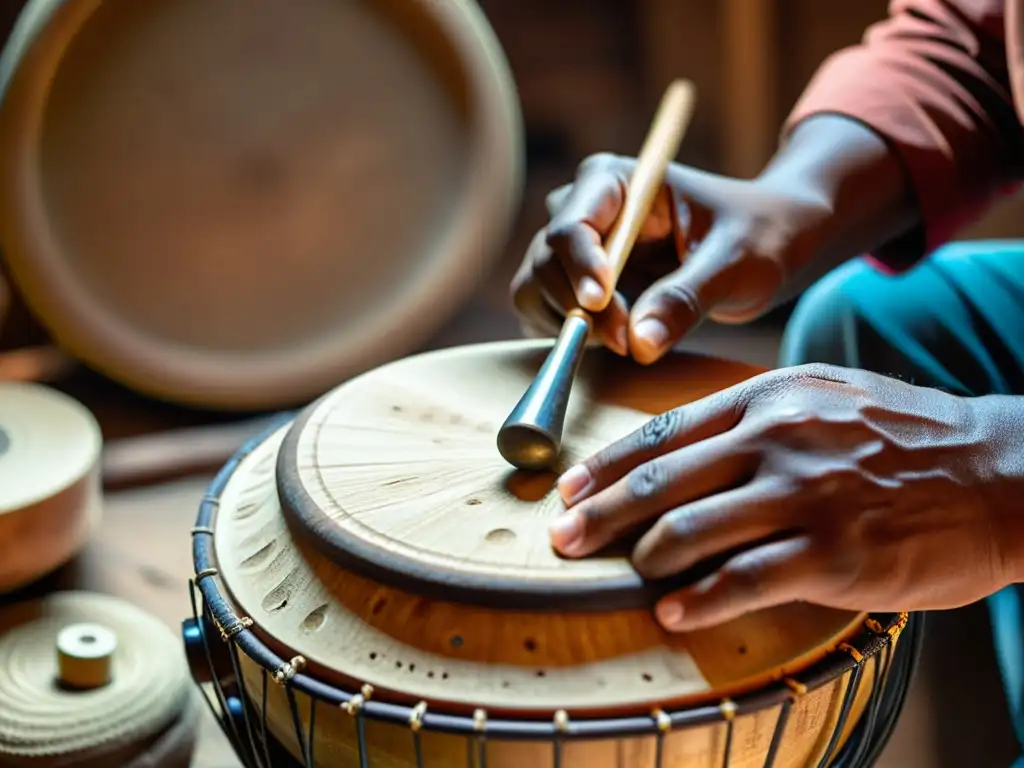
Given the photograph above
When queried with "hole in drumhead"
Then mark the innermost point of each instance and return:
(430, 675)
(277, 599)
(87, 639)
(412, 667)
(398, 665)
(500, 536)
(373, 656)
(647, 677)
(315, 619)
(540, 673)
(444, 675)
(473, 502)
(396, 408)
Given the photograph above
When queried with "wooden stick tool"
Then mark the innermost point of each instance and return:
(531, 436)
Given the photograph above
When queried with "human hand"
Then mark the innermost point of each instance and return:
(711, 247)
(838, 487)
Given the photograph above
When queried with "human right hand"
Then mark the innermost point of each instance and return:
(712, 247)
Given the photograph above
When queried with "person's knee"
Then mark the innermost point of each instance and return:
(823, 325)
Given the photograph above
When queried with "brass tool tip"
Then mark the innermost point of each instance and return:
(531, 436)
(524, 446)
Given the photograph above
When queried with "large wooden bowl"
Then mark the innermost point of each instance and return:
(240, 204)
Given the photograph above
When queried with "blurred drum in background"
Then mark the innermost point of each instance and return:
(238, 205)
(50, 481)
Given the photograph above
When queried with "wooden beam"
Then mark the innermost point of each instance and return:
(750, 68)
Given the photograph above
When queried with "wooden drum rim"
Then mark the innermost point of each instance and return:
(621, 592)
(489, 200)
(877, 632)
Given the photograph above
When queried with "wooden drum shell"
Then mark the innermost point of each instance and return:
(811, 721)
(801, 712)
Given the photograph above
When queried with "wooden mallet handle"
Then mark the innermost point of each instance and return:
(659, 148)
(531, 436)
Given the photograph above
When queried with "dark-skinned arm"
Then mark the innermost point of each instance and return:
(911, 135)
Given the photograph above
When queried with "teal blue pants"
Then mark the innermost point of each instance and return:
(955, 321)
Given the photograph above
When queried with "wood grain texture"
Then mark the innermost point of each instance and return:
(384, 469)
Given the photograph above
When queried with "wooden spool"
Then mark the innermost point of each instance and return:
(380, 545)
(85, 655)
(60, 709)
(238, 205)
(50, 485)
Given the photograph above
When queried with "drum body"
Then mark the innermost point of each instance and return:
(240, 205)
(50, 485)
(437, 650)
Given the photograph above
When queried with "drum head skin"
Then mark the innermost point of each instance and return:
(396, 473)
(240, 204)
(409, 556)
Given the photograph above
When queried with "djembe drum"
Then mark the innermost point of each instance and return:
(377, 589)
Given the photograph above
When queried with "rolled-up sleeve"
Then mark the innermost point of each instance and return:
(932, 80)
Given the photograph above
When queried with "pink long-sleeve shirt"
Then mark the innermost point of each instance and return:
(943, 82)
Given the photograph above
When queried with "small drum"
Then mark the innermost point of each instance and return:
(238, 204)
(377, 589)
(51, 495)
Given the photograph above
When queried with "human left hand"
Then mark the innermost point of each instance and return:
(840, 487)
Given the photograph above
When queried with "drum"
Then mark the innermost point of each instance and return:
(238, 205)
(51, 495)
(374, 587)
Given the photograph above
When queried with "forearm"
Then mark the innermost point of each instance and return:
(931, 137)
(846, 164)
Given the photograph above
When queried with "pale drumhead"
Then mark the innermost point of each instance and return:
(50, 448)
(397, 472)
(240, 204)
(394, 516)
